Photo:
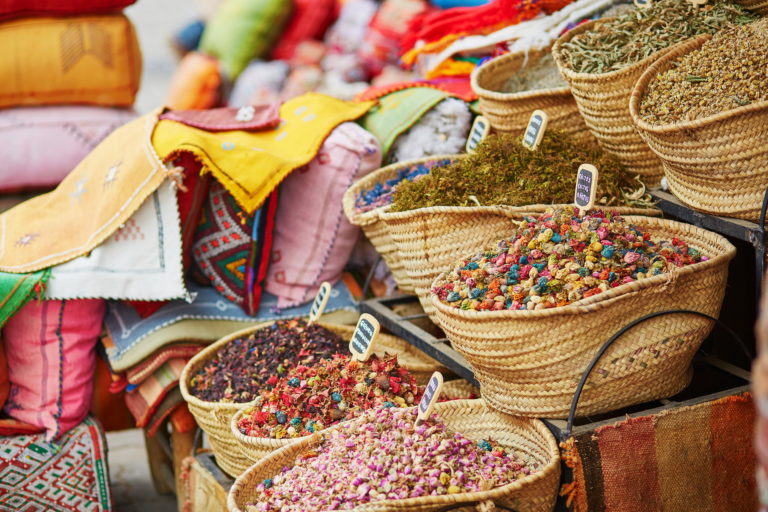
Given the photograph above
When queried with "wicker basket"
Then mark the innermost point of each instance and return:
(369, 221)
(603, 100)
(474, 419)
(529, 362)
(510, 112)
(215, 417)
(756, 6)
(429, 240)
(717, 164)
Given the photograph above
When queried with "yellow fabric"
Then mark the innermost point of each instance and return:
(451, 67)
(84, 59)
(409, 58)
(251, 164)
(92, 202)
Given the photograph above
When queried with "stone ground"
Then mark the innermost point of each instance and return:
(155, 21)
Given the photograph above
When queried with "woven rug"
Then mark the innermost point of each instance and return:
(70, 475)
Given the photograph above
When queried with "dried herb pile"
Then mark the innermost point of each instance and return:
(381, 193)
(384, 456)
(245, 366)
(503, 172)
(631, 37)
(728, 71)
(311, 398)
(559, 258)
(542, 74)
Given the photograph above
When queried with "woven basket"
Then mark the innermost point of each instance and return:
(756, 6)
(510, 112)
(717, 164)
(603, 101)
(429, 240)
(369, 221)
(474, 419)
(215, 417)
(529, 362)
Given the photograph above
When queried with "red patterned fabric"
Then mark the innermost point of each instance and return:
(18, 8)
(381, 45)
(457, 86)
(309, 20)
(249, 117)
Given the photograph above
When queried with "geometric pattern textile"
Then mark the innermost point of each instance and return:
(70, 475)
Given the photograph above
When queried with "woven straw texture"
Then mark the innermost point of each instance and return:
(529, 362)
(756, 6)
(717, 164)
(474, 419)
(215, 417)
(510, 112)
(370, 223)
(603, 101)
(429, 240)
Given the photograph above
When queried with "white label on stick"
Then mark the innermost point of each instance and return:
(536, 128)
(431, 395)
(643, 4)
(361, 344)
(321, 300)
(586, 187)
(480, 129)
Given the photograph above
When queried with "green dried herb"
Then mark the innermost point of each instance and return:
(728, 71)
(503, 172)
(630, 38)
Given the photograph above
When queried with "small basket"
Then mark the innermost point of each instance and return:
(603, 100)
(717, 164)
(474, 419)
(369, 221)
(429, 240)
(529, 362)
(215, 417)
(511, 112)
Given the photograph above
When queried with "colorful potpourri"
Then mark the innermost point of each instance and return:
(559, 258)
(381, 193)
(384, 456)
(311, 398)
(245, 366)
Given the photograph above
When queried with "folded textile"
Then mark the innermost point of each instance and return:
(140, 261)
(138, 373)
(145, 398)
(247, 117)
(70, 475)
(207, 318)
(17, 289)
(459, 87)
(68, 134)
(165, 410)
(251, 164)
(90, 59)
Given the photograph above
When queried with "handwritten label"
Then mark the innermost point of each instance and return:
(431, 395)
(480, 130)
(321, 300)
(586, 187)
(537, 125)
(643, 4)
(361, 344)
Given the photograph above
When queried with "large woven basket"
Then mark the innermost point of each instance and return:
(756, 6)
(429, 240)
(717, 164)
(603, 100)
(474, 419)
(510, 112)
(529, 362)
(369, 221)
(215, 417)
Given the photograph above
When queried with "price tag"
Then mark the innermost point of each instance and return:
(480, 130)
(431, 395)
(536, 128)
(643, 4)
(321, 300)
(698, 3)
(586, 188)
(361, 344)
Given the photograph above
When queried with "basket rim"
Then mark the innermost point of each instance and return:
(371, 216)
(663, 64)
(570, 74)
(491, 65)
(499, 208)
(266, 442)
(552, 465)
(606, 298)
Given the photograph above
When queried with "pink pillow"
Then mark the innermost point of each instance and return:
(41, 145)
(51, 350)
(313, 238)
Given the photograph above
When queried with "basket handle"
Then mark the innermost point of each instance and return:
(480, 506)
(617, 335)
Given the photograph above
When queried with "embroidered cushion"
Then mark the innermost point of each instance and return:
(51, 349)
(313, 238)
(92, 60)
(242, 30)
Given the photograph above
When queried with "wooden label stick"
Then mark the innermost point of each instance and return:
(431, 396)
(586, 188)
(361, 344)
(321, 300)
(537, 125)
